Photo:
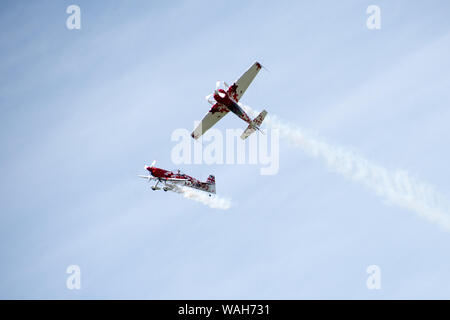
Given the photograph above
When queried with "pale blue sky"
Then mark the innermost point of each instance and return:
(83, 110)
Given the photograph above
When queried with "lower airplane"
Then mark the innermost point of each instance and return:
(174, 180)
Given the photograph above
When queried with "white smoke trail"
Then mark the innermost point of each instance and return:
(396, 187)
(214, 201)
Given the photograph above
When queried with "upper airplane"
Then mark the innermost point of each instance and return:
(226, 101)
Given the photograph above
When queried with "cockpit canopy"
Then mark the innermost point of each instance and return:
(178, 172)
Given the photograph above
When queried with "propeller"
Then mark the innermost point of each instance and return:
(208, 97)
(218, 84)
(150, 166)
(145, 177)
(149, 177)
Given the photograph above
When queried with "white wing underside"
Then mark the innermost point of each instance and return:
(238, 88)
(216, 113)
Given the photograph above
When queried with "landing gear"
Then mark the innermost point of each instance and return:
(165, 189)
(155, 187)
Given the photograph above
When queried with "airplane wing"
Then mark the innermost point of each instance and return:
(238, 88)
(146, 177)
(161, 178)
(217, 112)
(173, 179)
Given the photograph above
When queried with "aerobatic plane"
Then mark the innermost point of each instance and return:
(174, 180)
(226, 100)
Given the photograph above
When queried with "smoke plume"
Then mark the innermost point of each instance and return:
(214, 201)
(396, 187)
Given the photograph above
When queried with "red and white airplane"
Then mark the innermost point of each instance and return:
(173, 180)
(226, 100)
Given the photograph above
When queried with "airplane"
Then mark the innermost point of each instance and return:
(174, 180)
(226, 101)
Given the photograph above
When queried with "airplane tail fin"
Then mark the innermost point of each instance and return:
(254, 125)
(211, 181)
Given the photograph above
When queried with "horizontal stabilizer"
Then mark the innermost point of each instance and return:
(254, 125)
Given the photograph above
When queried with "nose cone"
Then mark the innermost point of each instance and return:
(222, 94)
(149, 169)
(219, 94)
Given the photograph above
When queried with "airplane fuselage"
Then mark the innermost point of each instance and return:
(222, 97)
(161, 173)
